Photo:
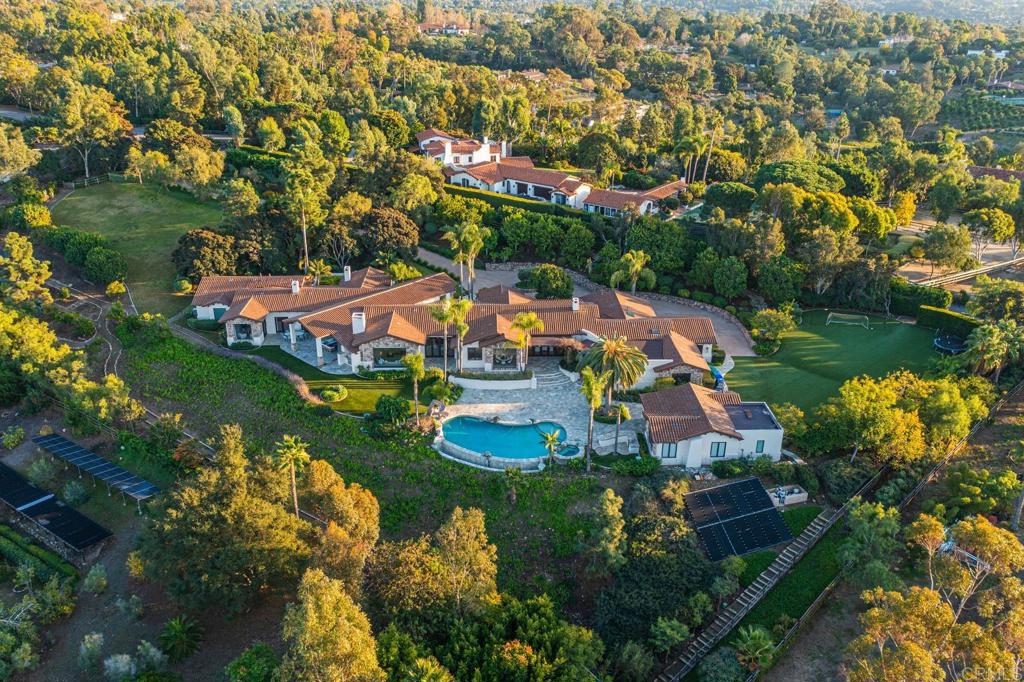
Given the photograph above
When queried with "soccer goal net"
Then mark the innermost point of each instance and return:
(846, 318)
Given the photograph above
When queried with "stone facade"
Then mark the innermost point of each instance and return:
(696, 375)
(366, 349)
(256, 327)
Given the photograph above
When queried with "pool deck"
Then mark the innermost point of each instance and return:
(558, 401)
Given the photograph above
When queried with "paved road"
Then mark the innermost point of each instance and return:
(730, 334)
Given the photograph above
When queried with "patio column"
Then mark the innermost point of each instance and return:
(291, 334)
(319, 352)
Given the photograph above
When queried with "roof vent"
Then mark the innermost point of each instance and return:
(295, 286)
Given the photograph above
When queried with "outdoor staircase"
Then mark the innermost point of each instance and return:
(728, 617)
(548, 375)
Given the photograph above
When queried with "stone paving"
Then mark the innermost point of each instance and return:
(305, 350)
(555, 401)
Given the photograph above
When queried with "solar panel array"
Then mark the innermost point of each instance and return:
(112, 474)
(45, 510)
(736, 518)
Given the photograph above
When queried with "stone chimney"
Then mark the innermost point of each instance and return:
(347, 273)
(358, 322)
(575, 304)
(295, 286)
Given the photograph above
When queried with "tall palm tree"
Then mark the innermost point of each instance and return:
(592, 389)
(292, 454)
(626, 363)
(318, 269)
(621, 414)
(473, 238)
(454, 237)
(460, 312)
(714, 122)
(414, 363)
(443, 314)
(526, 323)
(551, 443)
(987, 350)
(632, 268)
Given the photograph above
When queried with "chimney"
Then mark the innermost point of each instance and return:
(486, 141)
(575, 304)
(347, 273)
(358, 322)
(295, 286)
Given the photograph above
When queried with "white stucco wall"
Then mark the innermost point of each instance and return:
(208, 312)
(695, 453)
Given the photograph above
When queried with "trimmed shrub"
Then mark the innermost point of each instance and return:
(948, 321)
(258, 663)
(104, 266)
(27, 216)
(116, 288)
(907, 298)
(96, 579)
(636, 466)
(12, 437)
(78, 244)
(75, 493)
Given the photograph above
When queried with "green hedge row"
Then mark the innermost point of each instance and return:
(17, 551)
(907, 298)
(495, 199)
(260, 161)
(948, 321)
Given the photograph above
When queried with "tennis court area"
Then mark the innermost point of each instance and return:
(816, 359)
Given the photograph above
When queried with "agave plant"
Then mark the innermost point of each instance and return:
(180, 638)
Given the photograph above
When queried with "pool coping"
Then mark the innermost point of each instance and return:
(455, 452)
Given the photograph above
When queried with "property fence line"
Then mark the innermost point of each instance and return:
(94, 180)
(968, 274)
(904, 503)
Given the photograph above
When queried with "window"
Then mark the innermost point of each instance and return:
(243, 331)
(668, 450)
(474, 354)
(718, 449)
(759, 448)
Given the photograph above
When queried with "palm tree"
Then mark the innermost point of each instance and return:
(414, 363)
(318, 269)
(632, 268)
(714, 122)
(987, 350)
(526, 324)
(460, 311)
(754, 647)
(626, 363)
(1014, 336)
(444, 315)
(454, 237)
(621, 414)
(551, 443)
(473, 238)
(592, 388)
(291, 454)
(180, 638)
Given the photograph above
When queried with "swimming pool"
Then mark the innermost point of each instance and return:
(509, 441)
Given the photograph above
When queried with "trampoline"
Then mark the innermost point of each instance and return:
(949, 344)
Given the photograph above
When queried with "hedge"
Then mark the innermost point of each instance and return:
(261, 161)
(907, 297)
(948, 321)
(496, 199)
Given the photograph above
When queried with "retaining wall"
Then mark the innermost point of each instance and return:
(494, 384)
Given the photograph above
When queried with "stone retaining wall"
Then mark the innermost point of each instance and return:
(581, 280)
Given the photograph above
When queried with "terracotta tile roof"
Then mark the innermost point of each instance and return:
(689, 410)
(432, 132)
(617, 305)
(501, 294)
(221, 288)
(247, 308)
(697, 329)
(1004, 174)
(367, 278)
(611, 198)
(665, 191)
(677, 349)
(521, 169)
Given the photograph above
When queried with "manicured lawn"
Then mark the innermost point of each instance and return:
(799, 518)
(362, 393)
(144, 223)
(816, 359)
(756, 563)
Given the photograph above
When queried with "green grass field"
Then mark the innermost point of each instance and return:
(143, 223)
(816, 359)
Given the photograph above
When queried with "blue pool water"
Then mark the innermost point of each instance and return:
(513, 441)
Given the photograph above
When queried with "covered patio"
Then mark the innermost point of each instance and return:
(306, 350)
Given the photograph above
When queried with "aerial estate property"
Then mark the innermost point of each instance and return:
(511, 341)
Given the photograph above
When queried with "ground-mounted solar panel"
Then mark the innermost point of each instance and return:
(49, 513)
(112, 474)
(736, 518)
